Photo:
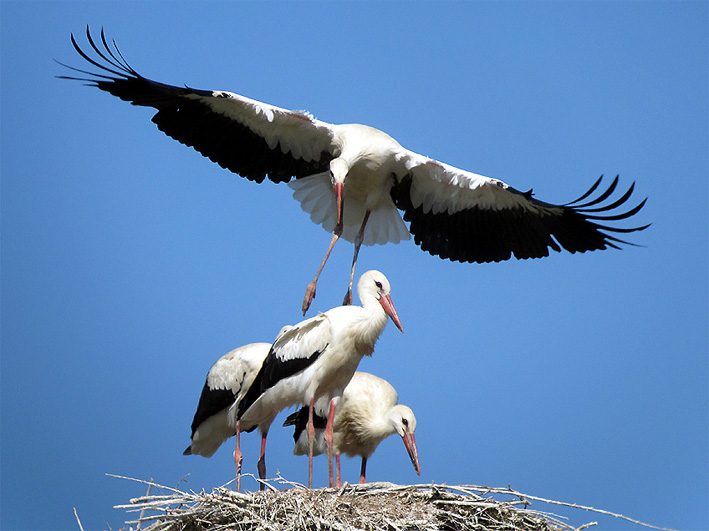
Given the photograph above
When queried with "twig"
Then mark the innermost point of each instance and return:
(77, 520)
(573, 505)
(147, 494)
(146, 482)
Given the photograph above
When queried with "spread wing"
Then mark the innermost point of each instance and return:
(467, 217)
(250, 138)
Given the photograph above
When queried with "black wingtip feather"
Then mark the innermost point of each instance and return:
(588, 193)
(605, 195)
(612, 206)
(615, 217)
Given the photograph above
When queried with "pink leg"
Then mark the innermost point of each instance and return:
(310, 291)
(328, 440)
(311, 440)
(238, 458)
(362, 481)
(357, 244)
(262, 461)
(339, 475)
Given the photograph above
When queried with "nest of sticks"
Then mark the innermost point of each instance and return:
(370, 507)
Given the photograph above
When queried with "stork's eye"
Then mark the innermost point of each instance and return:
(378, 284)
(405, 422)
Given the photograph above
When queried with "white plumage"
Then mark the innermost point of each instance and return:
(317, 357)
(353, 179)
(367, 413)
(228, 381)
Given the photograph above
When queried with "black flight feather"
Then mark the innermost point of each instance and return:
(299, 419)
(273, 371)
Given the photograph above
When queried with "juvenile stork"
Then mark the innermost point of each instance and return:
(352, 178)
(228, 380)
(367, 413)
(317, 358)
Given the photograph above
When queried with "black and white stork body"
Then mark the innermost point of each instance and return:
(352, 179)
(317, 358)
(228, 381)
(367, 413)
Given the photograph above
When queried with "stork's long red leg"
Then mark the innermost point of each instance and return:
(311, 440)
(328, 440)
(262, 461)
(238, 458)
(339, 474)
(310, 290)
(357, 244)
(362, 481)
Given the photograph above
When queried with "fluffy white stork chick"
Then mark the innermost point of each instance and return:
(228, 380)
(317, 358)
(353, 179)
(367, 413)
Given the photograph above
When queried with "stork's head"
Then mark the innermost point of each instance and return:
(404, 422)
(338, 173)
(374, 284)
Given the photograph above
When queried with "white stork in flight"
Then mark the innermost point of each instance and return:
(316, 359)
(368, 412)
(352, 178)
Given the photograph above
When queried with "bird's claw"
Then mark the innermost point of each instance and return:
(309, 296)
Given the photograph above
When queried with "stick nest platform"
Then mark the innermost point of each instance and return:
(370, 507)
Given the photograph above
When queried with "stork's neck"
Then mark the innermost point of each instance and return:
(378, 427)
(370, 325)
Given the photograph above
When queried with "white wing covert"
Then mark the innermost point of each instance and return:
(303, 339)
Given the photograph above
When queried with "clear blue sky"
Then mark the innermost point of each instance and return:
(131, 263)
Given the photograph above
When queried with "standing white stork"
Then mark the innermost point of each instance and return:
(352, 178)
(317, 358)
(228, 381)
(368, 412)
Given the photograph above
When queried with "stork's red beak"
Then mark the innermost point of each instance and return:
(410, 443)
(391, 311)
(339, 187)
